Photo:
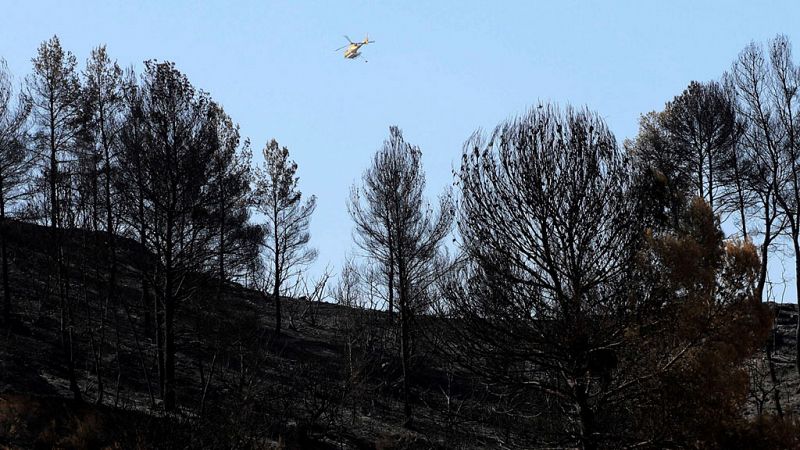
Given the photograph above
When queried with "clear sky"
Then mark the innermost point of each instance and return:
(438, 69)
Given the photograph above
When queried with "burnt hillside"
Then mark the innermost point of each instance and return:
(238, 385)
(332, 380)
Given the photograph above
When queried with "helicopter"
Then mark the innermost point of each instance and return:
(352, 51)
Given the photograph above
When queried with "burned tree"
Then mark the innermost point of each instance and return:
(287, 220)
(234, 241)
(546, 219)
(399, 231)
(761, 141)
(563, 302)
(701, 127)
(100, 120)
(15, 166)
(170, 164)
(54, 92)
(784, 88)
(767, 86)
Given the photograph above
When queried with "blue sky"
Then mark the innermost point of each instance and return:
(438, 69)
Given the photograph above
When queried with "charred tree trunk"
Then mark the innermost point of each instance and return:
(4, 254)
(111, 284)
(795, 237)
(405, 355)
(169, 315)
(276, 293)
(764, 256)
(776, 395)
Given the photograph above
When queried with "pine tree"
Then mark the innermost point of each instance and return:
(287, 220)
(15, 166)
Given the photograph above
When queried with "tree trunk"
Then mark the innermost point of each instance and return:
(795, 236)
(53, 174)
(390, 244)
(740, 194)
(700, 182)
(111, 285)
(169, 317)
(776, 395)
(276, 293)
(404, 338)
(221, 250)
(587, 438)
(711, 183)
(762, 273)
(158, 314)
(4, 251)
(63, 278)
(169, 352)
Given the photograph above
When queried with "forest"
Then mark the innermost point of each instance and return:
(567, 291)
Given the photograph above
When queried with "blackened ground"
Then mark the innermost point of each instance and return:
(237, 385)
